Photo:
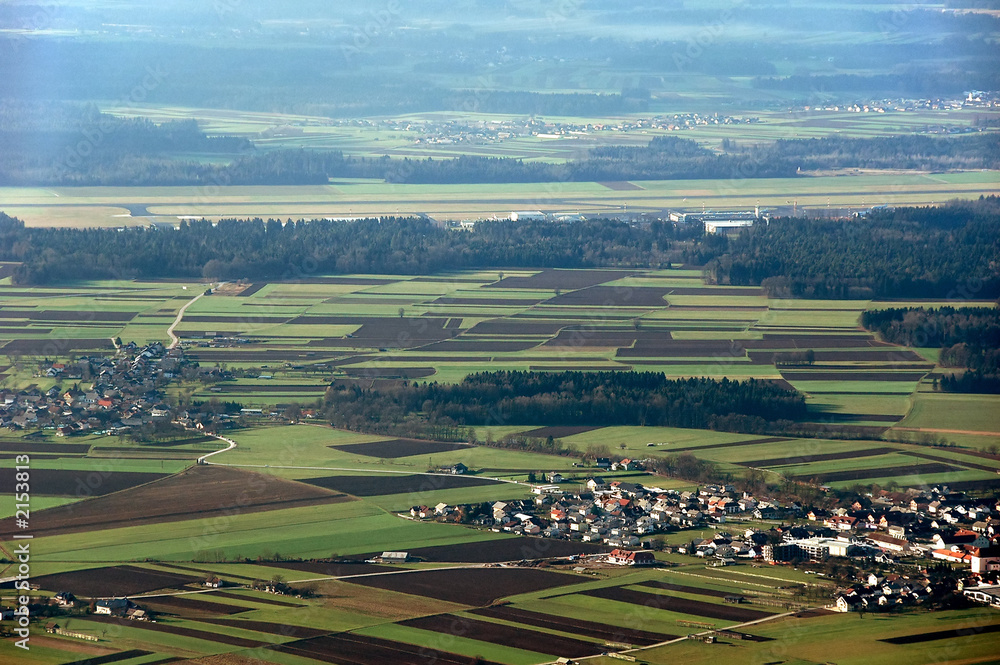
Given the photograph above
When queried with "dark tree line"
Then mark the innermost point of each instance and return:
(664, 158)
(969, 337)
(565, 398)
(939, 327)
(971, 382)
(929, 153)
(256, 249)
(947, 252)
(952, 251)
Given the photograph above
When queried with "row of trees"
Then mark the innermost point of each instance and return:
(565, 398)
(257, 250)
(664, 158)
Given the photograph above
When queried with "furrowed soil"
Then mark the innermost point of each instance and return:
(201, 491)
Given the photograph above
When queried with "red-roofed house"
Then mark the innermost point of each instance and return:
(840, 522)
(953, 556)
(629, 558)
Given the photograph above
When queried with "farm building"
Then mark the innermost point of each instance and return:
(64, 599)
(394, 557)
(112, 606)
(630, 558)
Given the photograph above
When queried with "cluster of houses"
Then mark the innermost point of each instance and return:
(614, 513)
(972, 99)
(934, 524)
(456, 132)
(125, 393)
(450, 132)
(922, 526)
(881, 591)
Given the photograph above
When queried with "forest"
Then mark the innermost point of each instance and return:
(943, 252)
(255, 249)
(969, 337)
(564, 398)
(951, 251)
(66, 144)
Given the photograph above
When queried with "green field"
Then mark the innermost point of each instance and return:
(377, 613)
(854, 640)
(975, 413)
(290, 337)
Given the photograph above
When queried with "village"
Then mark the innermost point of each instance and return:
(125, 395)
(889, 548)
(904, 533)
(885, 552)
(439, 131)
